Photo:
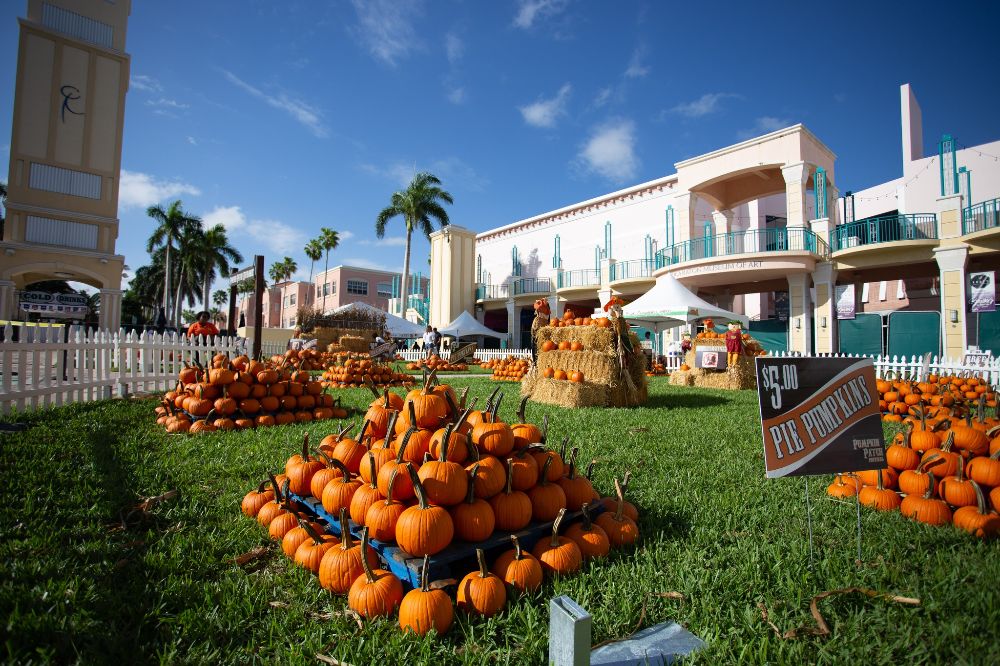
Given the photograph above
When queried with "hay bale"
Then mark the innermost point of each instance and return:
(740, 376)
(591, 337)
(681, 378)
(354, 343)
(597, 367)
(563, 393)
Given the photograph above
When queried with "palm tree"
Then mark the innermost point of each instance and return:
(329, 239)
(417, 204)
(173, 222)
(313, 250)
(220, 296)
(215, 252)
(188, 268)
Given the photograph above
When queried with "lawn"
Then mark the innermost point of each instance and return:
(83, 580)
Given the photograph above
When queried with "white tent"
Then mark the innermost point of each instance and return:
(397, 326)
(466, 326)
(669, 304)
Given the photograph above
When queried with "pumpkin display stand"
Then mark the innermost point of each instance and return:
(742, 375)
(593, 353)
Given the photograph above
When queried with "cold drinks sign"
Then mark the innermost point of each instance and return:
(819, 416)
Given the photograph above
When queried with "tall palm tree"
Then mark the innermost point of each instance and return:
(330, 240)
(189, 267)
(173, 222)
(220, 296)
(418, 204)
(215, 252)
(313, 250)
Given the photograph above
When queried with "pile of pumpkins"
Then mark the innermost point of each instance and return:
(657, 370)
(304, 359)
(353, 371)
(422, 473)
(569, 318)
(510, 369)
(241, 393)
(941, 470)
(435, 362)
(944, 394)
(575, 376)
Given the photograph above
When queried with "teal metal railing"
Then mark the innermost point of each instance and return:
(885, 229)
(532, 285)
(587, 277)
(985, 215)
(632, 269)
(491, 292)
(743, 242)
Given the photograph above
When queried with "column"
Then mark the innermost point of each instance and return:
(606, 265)
(823, 229)
(796, 176)
(555, 306)
(799, 337)
(8, 300)
(952, 262)
(752, 303)
(603, 296)
(684, 211)
(722, 221)
(513, 324)
(111, 310)
(824, 309)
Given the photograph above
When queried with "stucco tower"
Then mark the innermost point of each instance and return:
(65, 151)
(453, 276)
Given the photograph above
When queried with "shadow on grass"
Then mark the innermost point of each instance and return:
(684, 401)
(674, 525)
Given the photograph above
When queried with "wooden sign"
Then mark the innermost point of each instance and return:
(384, 349)
(462, 353)
(819, 416)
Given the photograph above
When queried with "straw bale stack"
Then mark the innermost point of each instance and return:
(355, 343)
(741, 376)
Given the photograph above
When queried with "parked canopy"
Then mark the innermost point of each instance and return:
(397, 326)
(669, 304)
(466, 326)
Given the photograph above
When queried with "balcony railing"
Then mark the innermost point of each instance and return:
(582, 278)
(985, 215)
(743, 242)
(630, 270)
(885, 229)
(492, 292)
(532, 285)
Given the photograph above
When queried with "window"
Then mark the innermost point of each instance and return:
(291, 299)
(357, 287)
(319, 291)
(385, 289)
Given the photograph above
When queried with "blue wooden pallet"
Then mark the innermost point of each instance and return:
(445, 564)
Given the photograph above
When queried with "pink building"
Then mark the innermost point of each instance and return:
(280, 304)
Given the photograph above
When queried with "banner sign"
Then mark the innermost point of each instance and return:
(711, 359)
(462, 353)
(41, 301)
(819, 416)
(845, 301)
(982, 291)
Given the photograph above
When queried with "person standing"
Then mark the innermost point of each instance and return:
(437, 342)
(428, 341)
(202, 326)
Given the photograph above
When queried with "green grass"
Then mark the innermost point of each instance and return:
(76, 586)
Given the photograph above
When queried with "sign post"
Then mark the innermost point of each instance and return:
(258, 306)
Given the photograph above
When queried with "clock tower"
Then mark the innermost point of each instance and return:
(65, 156)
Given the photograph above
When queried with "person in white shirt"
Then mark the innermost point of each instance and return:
(429, 341)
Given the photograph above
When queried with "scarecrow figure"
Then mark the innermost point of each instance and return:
(542, 313)
(685, 343)
(734, 343)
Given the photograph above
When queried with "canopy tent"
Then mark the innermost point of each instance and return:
(397, 326)
(465, 326)
(669, 304)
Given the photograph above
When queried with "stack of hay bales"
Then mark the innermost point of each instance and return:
(603, 385)
(742, 375)
(343, 339)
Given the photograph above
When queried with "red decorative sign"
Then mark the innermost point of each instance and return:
(819, 416)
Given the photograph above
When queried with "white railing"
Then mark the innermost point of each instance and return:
(916, 367)
(481, 354)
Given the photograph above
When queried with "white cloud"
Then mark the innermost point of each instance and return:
(454, 47)
(764, 125)
(140, 190)
(456, 95)
(636, 69)
(304, 113)
(603, 96)
(610, 151)
(345, 235)
(452, 171)
(386, 27)
(545, 112)
(165, 102)
(704, 105)
(388, 241)
(530, 10)
(274, 235)
(144, 83)
(193, 141)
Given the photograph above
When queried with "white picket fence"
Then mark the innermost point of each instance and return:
(916, 367)
(481, 354)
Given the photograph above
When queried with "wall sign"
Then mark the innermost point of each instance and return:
(982, 291)
(819, 416)
(845, 301)
(69, 94)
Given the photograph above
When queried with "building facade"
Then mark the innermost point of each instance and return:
(760, 228)
(65, 154)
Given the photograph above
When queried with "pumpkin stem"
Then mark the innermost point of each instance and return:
(443, 454)
(464, 415)
(343, 431)
(521, 410)
(423, 574)
(484, 571)
(390, 425)
(373, 471)
(496, 408)
(361, 433)
(879, 472)
(371, 387)
(507, 487)
(626, 479)
(465, 394)
(543, 478)
(470, 497)
(930, 485)
(305, 447)
(554, 542)
(572, 464)
(418, 488)
(473, 451)
(313, 534)
(345, 473)
(413, 414)
(621, 498)
(980, 498)
(517, 547)
(585, 510)
(562, 449)
(406, 440)
(590, 469)
(263, 484)
(545, 428)
(949, 441)
(346, 542)
(392, 482)
(369, 574)
(452, 407)
(429, 381)
(489, 400)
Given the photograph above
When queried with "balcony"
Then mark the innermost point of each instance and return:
(532, 285)
(632, 270)
(982, 216)
(743, 242)
(580, 279)
(492, 292)
(885, 229)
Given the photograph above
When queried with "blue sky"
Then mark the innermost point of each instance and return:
(277, 118)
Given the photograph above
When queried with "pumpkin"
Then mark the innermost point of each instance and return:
(957, 490)
(363, 498)
(841, 490)
(977, 520)
(493, 436)
(329, 443)
(423, 609)
(473, 519)
(917, 481)
(376, 592)
(558, 554)
(255, 499)
(621, 530)
(879, 497)
(300, 473)
(403, 489)
(350, 451)
(577, 488)
(481, 592)
(381, 517)
(557, 467)
(628, 509)
(925, 509)
(412, 444)
(271, 509)
(925, 436)
(985, 471)
(576, 377)
(445, 481)
(458, 442)
(426, 409)
(518, 569)
(310, 552)
(329, 472)
(423, 529)
(590, 538)
(523, 471)
(869, 477)
(490, 477)
(900, 456)
(379, 412)
(547, 499)
(950, 459)
(340, 490)
(341, 565)
(282, 523)
(548, 346)
(526, 434)
(969, 438)
(512, 508)
(295, 537)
